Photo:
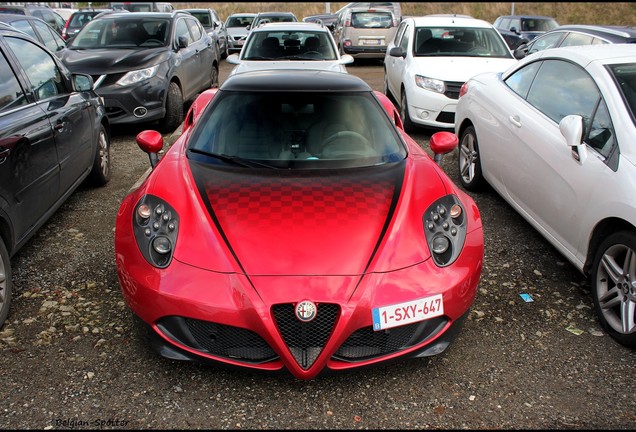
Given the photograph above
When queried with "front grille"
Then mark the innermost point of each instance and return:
(220, 340)
(446, 117)
(452, 89)
(305, 340)
(365, 344)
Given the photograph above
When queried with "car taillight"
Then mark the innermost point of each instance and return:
(463, 89)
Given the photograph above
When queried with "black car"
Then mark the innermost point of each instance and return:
(520, 29)
(578, 34)
(37, 29)
(54, 135)
(145, 65)
(45, 13)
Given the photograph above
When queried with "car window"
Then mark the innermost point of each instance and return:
(544, 42)
(265, 45)
(625, 79)
(454, 41)
(399, 33)
(575, 38)
(24, 26)
(239, 21)
(561, 88)
(316, 127)
(51, 39)
(371, 20)
(601, 132)
(181, 29)
(195, 29)
(11, 93)
(404, 43)
(45, 77)
(520, 80)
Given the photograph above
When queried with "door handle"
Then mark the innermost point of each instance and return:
(515, 120)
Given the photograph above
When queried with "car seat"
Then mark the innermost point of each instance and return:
(270, 47)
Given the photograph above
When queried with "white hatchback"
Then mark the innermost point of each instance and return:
(431, 57)
(289, 45)
(555, 136)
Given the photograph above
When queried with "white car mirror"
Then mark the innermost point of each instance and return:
(571, 128)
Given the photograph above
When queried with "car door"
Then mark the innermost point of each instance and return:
(29, 171)
(70, 114)
(196, 59)
(542, 177)
(396, 66)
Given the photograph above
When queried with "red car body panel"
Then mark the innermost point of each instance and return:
(271, 240)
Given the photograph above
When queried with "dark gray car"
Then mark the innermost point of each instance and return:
(146, 65)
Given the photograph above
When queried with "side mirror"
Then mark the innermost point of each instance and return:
(346, 59)
(441, 143)
(397, 52)
(82, 82)
(182, 42)
(150, 142)
(233, 59)
(514, 30)
(571, 128)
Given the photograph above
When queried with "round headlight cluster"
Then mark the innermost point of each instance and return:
(445, 229)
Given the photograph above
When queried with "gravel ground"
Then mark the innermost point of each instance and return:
(71, 360)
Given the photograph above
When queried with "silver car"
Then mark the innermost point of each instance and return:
(237, 27)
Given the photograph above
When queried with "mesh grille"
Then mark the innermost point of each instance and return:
(364, 344)
(305, 340)
(452, 89)
(218, 339)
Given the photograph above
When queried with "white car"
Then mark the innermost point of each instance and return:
(289, 45)
(555, 136)
(431, 57)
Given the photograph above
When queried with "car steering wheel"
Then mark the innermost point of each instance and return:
(350, 144)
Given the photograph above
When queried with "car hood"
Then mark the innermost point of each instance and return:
(348, 221)
(237, 31)
(100, 61)
(328, 65)
(459, 68)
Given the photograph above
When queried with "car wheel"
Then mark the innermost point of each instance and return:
(225, 52)
(5, 283)
(614, 286)
(409, 126)
(469, 163)
(387, 92)
(214, 76)
(174, 108)
(100, 173)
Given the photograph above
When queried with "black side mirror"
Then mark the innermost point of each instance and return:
(397, 52)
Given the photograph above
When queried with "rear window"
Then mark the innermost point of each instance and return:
(371, 20)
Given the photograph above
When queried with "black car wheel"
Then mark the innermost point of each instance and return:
(214, 77)
(174, 108)
(5, 283)
(468, 161)
(614, 286)
(100, 174)
(409, 126)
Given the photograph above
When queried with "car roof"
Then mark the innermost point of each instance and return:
(449, 20)
(528, 16)
(295, 80)
(585, 54)
(296, 25)
(243, 14)
(620, 32)
(265, 14)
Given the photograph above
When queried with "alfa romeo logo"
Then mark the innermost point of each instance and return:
(306, 311)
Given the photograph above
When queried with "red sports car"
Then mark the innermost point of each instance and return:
(294, 225)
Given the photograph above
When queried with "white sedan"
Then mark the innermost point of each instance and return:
(555, 136)
(289, 45)
(429, 60)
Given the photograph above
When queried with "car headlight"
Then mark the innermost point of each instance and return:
(155, 224)
(431, 84)
(133, 77)
(445, 229)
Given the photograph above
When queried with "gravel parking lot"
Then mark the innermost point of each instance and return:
(71, 360)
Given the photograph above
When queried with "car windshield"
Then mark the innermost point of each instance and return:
(538, 24)
(625, 78)
(371, 19)
(122, 33)
(459, 42)
(294, 130)
(239, 21)
(289, 45)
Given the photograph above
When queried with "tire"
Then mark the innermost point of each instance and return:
(225, 52)
(174, 108)
(101, 171)
(214, 76)
(614, 286)
(387, 92)
(6, 283)
(469, 162)
(409, 126)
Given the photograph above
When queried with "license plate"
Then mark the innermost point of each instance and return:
(408, 312)
(372, 42)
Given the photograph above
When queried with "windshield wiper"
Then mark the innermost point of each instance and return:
(234, 160)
